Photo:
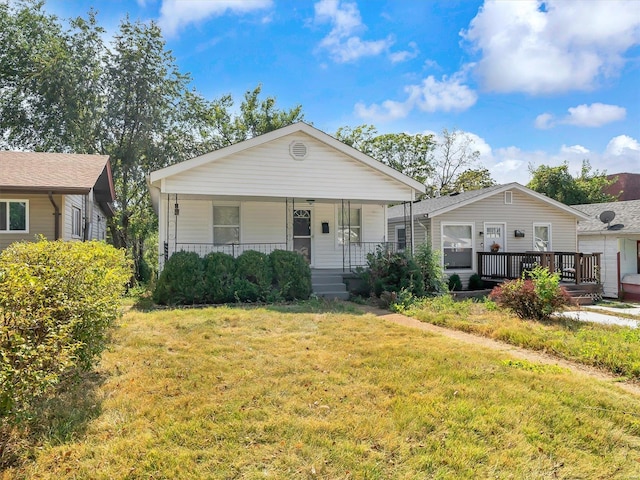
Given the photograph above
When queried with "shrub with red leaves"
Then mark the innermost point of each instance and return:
(536, 298)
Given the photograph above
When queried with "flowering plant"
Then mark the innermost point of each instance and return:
(495, 247)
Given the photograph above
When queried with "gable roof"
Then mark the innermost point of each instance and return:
(276, 134)
(432, 207)
(627, 214)
(57, 173)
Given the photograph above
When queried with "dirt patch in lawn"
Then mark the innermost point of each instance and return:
(521, 353)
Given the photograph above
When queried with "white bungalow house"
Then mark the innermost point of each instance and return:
(614, 229)
(295, 188)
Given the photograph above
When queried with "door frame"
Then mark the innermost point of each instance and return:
(311, 231)
(487, 243)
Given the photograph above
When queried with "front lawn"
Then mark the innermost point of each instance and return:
(610, 347)
(299, 392)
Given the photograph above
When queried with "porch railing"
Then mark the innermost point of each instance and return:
(573, 267)
(355, 255)
(233, 249)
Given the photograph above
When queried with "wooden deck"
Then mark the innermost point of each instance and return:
(579, 272)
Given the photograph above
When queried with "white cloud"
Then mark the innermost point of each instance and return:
(511, 164)
(542, 47)
(342, 42)
(404, 55)
(594, 115)
(544, 121)
(176, 14)
(431, 95)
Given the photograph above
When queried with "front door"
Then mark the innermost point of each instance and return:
(302, 232)
(494, 235)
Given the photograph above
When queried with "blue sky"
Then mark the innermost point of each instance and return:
(531, 82)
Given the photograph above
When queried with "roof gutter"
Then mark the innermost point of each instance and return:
(56, 217)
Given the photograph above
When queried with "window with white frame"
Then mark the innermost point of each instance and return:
(542, 237)
(14, 216)
(401, 237)
(457, 246)
(349, 225)
(76, 222)
(226, 224)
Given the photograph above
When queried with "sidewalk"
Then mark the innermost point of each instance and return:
(605, 315)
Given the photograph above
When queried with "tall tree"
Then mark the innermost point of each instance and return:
(473, 179)
(558, 183)
(66, 91)
(409, 154)
(452, 156)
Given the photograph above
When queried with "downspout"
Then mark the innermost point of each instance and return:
(56, 216)
(87, 219)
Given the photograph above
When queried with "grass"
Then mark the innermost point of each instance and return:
(320, 391)
(610, 347)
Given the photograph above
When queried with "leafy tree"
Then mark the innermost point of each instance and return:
(559, 184)
(406, 153)
(473, 179)
(67, 91)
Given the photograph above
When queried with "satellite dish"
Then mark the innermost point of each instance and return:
(607, 216)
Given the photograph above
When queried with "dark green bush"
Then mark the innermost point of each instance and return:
(429, 262)
(535, 298)
(57, 302)
(181, 281)
(219, 274)
(454, 283)
(291, 274)
(392, 272)
(255, 268)
(476, 282)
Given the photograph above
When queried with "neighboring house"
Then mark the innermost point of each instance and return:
(295, 188)
(626, 186)
(511, 217)
(618, 237)
(57, 195)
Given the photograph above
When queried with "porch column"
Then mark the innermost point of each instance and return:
(413, 243)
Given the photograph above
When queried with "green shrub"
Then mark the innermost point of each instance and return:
(429, 262)
(291, 275)
(476, 282)
(57, 302)
(454, 283)
(392, 272)
(535, 298)
(181, 281)
(219, 273)
(253, 268)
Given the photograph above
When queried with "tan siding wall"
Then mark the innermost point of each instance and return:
(40, 218)
(269, 171)
(420, 230)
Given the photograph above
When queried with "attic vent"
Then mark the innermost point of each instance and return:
(508, 197)
(298, 150)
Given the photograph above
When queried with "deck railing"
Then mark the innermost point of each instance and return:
(573, 267)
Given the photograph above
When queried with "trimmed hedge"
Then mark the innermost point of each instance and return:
(57, 302)
(220, 278)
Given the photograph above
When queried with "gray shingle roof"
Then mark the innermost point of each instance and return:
(627, 214)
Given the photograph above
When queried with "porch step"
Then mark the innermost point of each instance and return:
(329, 284)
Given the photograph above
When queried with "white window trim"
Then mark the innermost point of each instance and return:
(401, 227)
(75, 210)
(508, 197)
(533, 240)
(473, 246)
(213, 221)
(337, 224)
(16, 200)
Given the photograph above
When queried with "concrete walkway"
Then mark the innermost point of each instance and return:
(606, 315)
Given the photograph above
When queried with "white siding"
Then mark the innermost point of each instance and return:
(266, 223)
(69, 202)
(609, 246)
(269, 171)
